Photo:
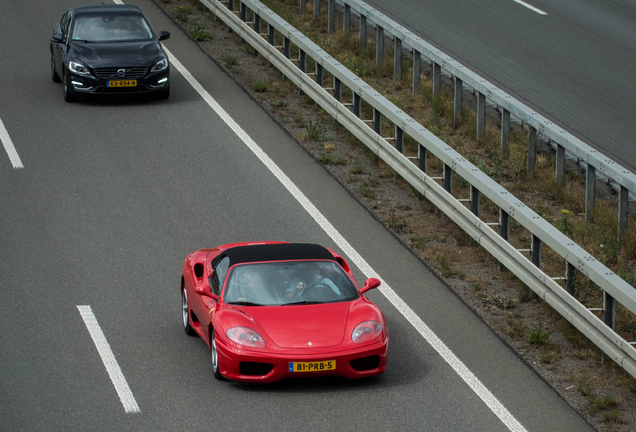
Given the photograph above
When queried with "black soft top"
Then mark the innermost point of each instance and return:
(106, 9)
(274, 252)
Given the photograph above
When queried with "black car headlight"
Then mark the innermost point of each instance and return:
(160, 65)
(78, 68)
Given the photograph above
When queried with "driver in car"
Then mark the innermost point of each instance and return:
(311, 277)
(252, 288)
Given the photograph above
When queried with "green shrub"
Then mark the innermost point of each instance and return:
(538, 337)
(260, 86)
(199, 33)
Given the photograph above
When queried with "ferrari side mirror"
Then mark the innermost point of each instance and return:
(369, 285)
(205, 291)
(163, 35)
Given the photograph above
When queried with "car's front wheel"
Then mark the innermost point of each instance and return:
(69, 96)
(185, 313)
(54, 76)
(215, 357)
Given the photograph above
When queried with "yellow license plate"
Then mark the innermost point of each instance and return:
(122, 83)
(312, 366)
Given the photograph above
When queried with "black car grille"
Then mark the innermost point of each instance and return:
(365, 363)
(130, 73)
(253, 368)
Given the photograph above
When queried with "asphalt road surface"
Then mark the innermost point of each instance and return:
(114, 194)
(575, 64)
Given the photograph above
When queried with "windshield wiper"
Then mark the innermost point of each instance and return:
(82, 40)
(245, 303)
(304, 302)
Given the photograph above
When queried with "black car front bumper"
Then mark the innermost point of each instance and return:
(106, 81)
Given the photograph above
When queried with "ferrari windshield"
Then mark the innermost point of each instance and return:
(111, 28)
(288, 283)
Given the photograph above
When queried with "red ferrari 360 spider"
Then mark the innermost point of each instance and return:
(275, 310)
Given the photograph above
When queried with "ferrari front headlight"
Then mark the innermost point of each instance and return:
(366, 331)
(245, 336)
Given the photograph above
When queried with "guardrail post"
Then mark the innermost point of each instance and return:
(474, 200)
(437, 79)
(257, 29)
(505, 133)
(532, 149)
(422, 158)
(504, 224)
(570, 278)
(377, 121)
(447, 179)
(271, 37)
(559, 165)
(346, 20)
(331, 17)
(608, 310)
(316, 8)
(303, 6)
(302, 65)
(397, 59)
(399, 139)
(243, 12)
(363, 32)
(286, 47)
(379, 46)
(590, 192)
(337, 89)
(457, 106)
(623, 205)
(503, 230)
(417, 71)
(535, 257)
(319, 74)
(230, 6)
(481, 115)
(357, 104)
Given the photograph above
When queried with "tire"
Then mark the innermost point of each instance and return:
(185, 313)
(69, 96)
(215, 358)
(54, 76)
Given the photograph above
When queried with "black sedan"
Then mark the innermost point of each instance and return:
(108, 49)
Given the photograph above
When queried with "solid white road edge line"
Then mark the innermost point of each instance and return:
(8, 146)
(539, 11)
(473, 382)
(112, 367)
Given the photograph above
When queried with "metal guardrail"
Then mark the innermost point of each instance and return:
(565, 145)
(621, 351)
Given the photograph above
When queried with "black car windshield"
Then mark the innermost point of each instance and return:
(288, 283)
(111, 28)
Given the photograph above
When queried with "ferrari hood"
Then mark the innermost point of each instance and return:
(304, 326)
(101, 54)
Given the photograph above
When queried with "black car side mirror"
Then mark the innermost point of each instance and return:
(163, 35)
(58, 38)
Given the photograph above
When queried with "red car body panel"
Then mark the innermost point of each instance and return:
(292, 333)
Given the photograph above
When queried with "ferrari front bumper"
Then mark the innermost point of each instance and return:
(250, 366)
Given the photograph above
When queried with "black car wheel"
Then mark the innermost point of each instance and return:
(69, 96)
(215, 357)
(185, 314)
(54, 76)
